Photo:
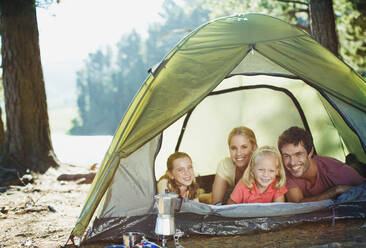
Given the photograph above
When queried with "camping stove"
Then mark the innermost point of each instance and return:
(165, 224)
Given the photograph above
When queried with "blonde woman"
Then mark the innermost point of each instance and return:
(242, 143)
(179, 177)
(263, 180)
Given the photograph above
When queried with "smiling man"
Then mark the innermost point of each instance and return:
(310, 177)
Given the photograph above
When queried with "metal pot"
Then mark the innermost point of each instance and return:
(130, 239)
(166, 204)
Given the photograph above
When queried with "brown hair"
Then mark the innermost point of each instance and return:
(172, 184)
(244, 131)
(248, 177)
(296, 135)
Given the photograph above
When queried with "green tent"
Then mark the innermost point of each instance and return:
(247, 69)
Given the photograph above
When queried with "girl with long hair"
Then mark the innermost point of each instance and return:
(179, 177)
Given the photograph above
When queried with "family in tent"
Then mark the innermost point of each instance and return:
(265, 174)
(248, 63)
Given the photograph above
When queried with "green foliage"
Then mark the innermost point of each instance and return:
(93, 84)
(112, 77)
(295, 12)
(106, 86)
(178, 22)
(351, 26)
(46, 3)
(350, 21)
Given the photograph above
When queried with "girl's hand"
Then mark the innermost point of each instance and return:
(279, 199)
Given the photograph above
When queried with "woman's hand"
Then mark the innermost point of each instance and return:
(218, 189)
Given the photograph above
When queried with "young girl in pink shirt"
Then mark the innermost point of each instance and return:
(263, 180)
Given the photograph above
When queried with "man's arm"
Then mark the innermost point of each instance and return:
(295, 194)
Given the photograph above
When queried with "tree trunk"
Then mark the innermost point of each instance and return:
(322, 24)
(2, 134)
(28, 139)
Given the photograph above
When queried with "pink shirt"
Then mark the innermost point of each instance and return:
(242, 194)
(331, 173)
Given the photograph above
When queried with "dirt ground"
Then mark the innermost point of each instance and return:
(43, 213)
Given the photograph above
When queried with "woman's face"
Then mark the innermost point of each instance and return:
(182, 171)
(240, 150)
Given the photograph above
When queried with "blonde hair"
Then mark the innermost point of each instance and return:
(248, 177)
(172, 184)
(243, 131)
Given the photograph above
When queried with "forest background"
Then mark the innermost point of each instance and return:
(111, 75)
(105, 84)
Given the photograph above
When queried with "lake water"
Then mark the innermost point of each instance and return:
(84, 151)
(80, 150)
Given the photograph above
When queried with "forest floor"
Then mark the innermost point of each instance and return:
(43, 213)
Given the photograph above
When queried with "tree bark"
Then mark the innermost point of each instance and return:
(322, 24)
(28, 139)
(2, 134)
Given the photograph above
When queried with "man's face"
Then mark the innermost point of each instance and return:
(295, 159)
